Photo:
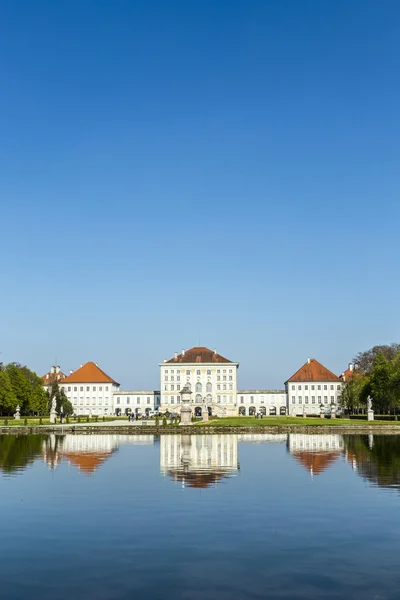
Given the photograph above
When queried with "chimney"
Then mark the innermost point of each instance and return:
(175, 355)
(165, 360)
(183, 351)
(81, 366)
(57, 369)
(215, 351)
(351, 366)
(71, 371)
(96, 364)
(52, 370)
(308, 360)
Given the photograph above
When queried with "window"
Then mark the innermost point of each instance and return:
(230, 370)
(306, 387)
(88, 389)
(106, 400)
(332, 399)
(338, 387)
(208, 387)
(332, 388)
(87, 401)
(198, 373)
(69, 389)
(313, 387)
(137, 400)
(100, 388)
(218, 378)
(241, 400)
(178, 387)
(166, 378)
(106, 388)
(218, 386)
(219, 399)
(325, 387)
(299, 387)
(251, 399)
(230, 377)
(224, 370)
(319, 399)
(300, 400)
(172, 387)
(148, 400)
(224, 378)
(230, 386)
(293, 400)
(128, 400)
(100, 401)
(188, 372)
(178, 399)
(178, 378)
(198, 398)
(166, 371)
(326, 399)
(198, 387)
(312, 399)
(293, 387)
(75, 389)
(94, 388)
(305, 399)
(224, 399)
(319, 387)
(172, 399)
(94, 401)
(81, 388)
(209, 398)
(218, 371)
(224, 386)
(165, 388)
(208, 372)
(172, 378)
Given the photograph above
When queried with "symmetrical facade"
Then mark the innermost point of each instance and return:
(312, 389)
(211, 378)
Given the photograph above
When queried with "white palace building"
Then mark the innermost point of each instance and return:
(213, 383)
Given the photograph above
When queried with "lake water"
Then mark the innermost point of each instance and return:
(206, 516)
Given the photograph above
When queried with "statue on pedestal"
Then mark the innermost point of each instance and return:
(17, 414)
(333, 410)
(53, 413)
(186, 411)
(370, 412)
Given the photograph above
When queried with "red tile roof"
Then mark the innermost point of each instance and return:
(89, 373)
(199, 354)
(50, 378)
(312, 370)
(348, 374)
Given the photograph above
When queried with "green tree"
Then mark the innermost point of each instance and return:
(21, 386)
(365, 360)
(65, 405)
(381, 380)
(355, 392)
(39, 401)
(8, 399)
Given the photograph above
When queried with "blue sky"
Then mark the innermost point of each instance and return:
(184, 173)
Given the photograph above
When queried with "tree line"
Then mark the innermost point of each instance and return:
(376, 374)
(21, 386)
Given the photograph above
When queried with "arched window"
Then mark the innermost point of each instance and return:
(198, 398)
(198, 387)
(208, 387)
(209, 398)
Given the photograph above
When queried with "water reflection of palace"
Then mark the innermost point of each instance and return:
(199, 460)
(86, 452)
(315, 452)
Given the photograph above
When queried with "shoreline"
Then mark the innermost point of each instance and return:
(196, 429)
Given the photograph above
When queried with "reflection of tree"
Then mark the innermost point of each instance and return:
(19, 451)
(377, 458)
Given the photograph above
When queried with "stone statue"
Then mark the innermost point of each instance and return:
(53, 413)
(369, 403)
(17, 414)
(370, 412)
(53, 405)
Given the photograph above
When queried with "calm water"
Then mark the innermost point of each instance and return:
(189, 517)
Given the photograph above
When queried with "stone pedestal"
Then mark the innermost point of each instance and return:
(333, 411)
(53, 416)
(17, 415)
(304, 413)
(186, 415)
(322, 413)
(204, 414)
(370, 415)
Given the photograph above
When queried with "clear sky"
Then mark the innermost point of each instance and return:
(222, 173)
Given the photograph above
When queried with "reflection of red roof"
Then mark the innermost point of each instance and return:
(87, 462)
(89, 373)
(199, 354)
(199, 479)
(316, 461)
(312, 370)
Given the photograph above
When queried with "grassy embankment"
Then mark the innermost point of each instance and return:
(288, 421)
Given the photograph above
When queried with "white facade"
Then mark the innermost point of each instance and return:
(137, 402)
(91, 398)
(267, 402)
(307, 397)
(213, 385)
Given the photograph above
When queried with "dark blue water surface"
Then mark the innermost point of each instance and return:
(203, 516)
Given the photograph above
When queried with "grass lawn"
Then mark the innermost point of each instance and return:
(287, 421)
